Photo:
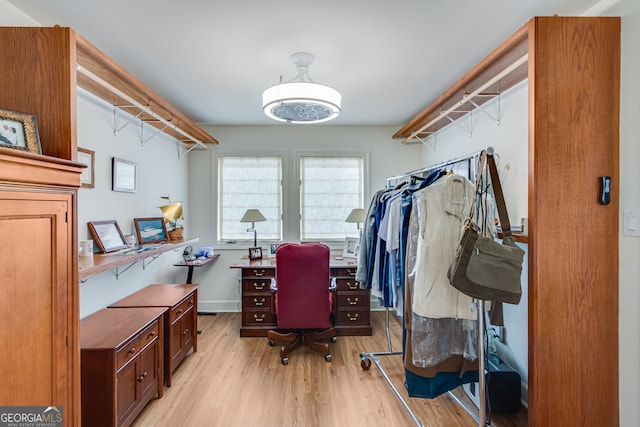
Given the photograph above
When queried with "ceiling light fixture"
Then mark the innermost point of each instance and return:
(301, 100)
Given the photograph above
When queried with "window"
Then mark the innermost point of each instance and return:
(249, 183)
(330, 187)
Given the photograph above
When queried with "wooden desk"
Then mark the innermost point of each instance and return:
(121, 364)
(180, 322)
(351, 308)
(195, 263)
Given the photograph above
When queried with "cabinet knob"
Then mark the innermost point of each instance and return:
(152, 333)
(132, 350)
(180, 311)
(185, 332)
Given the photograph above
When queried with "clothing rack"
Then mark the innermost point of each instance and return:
(367, 357)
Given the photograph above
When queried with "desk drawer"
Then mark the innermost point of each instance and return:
(181, 308)
(128, 351)
(347, 285)
(258, 318)
(258, 272)
(261, 301)
(343, 272)
(256, 285)
(353, 317)
(352, 300)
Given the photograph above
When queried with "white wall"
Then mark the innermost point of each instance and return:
(219, 289)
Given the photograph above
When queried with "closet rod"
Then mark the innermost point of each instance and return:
(142, 107)
(436, 166)
(468, 96)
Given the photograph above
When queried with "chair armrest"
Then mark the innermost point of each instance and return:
(332, 284)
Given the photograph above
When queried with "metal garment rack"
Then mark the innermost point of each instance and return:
(367, 357)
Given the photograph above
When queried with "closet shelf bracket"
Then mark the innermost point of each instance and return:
(119, 271)
(153, 135)
(117, 129)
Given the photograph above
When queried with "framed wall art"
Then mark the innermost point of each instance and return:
(19, 131)
(87, 157)
(151, 230)
(107, 235)
(125, 175)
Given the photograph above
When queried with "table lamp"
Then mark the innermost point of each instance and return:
(356, 215)
(253, 216)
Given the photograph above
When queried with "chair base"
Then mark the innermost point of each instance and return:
(310, 338)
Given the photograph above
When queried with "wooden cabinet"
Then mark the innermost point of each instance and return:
(122, 356)
(39, 282)
(573, 69)
(351, 304)
(180, 322)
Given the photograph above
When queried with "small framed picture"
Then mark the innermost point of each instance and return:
(87, 157)
(151, 230)
(107, 235)
(255, 253)
(124, 175)
(351, 247)
(19, 131)
(272, 249)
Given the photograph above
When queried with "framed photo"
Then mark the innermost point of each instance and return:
(19, 131)
(151, 230)
(272, 249)
(124, 175)
(87, 157)
(107, 235)
(351, 247)
(255, 253)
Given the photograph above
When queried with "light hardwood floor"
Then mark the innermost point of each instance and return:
(233, 381)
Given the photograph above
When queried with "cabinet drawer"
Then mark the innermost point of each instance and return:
(148, 335)
(128, 351)
(258, 318)
(347, 285)
(256, 285)
(258, 272)
(343, 272)
(353, 300)
(352, 317)
(180, 309)
(263, 301)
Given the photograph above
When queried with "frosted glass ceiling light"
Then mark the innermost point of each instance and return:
(301, 100)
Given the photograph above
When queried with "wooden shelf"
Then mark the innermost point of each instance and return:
(98, 263)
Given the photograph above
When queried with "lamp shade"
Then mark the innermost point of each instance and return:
(253, 215)
(356, 215)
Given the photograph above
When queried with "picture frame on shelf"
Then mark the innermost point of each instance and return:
(107, 235)
(19, 131)
(125, 175)
(351, 247)
(87, 157)
(272, 249)
(255, 253)
(151, 230)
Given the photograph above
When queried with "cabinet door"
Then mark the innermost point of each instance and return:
(148, 373)
(127, 390)
(36, 300)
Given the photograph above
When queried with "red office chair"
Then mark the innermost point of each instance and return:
(303, 299)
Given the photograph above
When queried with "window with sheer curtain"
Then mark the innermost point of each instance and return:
(330, 187)
(249, 183)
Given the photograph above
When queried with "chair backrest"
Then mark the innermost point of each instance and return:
(302, 276)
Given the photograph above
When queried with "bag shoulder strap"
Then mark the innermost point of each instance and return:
(497, 192)
(481, 165)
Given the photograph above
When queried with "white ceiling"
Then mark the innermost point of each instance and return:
(212, 59)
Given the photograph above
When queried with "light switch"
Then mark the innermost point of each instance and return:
(631, 222)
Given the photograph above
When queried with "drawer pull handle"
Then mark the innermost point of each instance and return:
(354, 302)
(191, 302)
(132, 350)
(351, 272)
(258, 303)
(152, 333)
(258, 274)
(259, 319)
(353, 317)
(180, 311)
(258, 286)
(352, 286)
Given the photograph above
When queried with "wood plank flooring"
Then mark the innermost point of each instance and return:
(233, 381)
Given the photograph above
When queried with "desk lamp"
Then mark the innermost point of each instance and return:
(357, 215)
(253, 216)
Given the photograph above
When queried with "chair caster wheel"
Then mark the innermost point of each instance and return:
(271, 343)
(327, 357)
(334, 339)
(365, 364)
(285, 360)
